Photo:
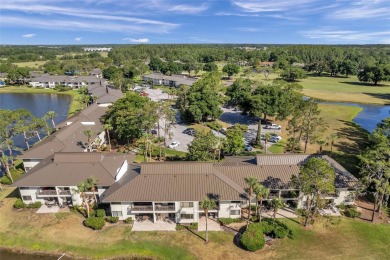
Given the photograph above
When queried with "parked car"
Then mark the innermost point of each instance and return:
(273, 126)
(275, 138)
(154, 131)
(248, 148)
(174, 144)
(190, 131)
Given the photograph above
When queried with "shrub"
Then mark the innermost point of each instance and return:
(112, 219)
(19, 204)
(180, 227)
(129, 220)
(352, 212)
(275, 228)
(280, 232)
(34, 205)
(194, 226)
(253, 238)
(95, 223)
(227, 221)
(100, 213)
(5, 180)
(214, 125)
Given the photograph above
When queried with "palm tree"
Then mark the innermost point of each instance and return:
(36, 125)
(206, 204)
(261, 194)
(332, 138)
(276, 203)
(92, 181)
(88, 133)
(108, 128)
(321, 143)
(267, 136)
(252, 182)
(51, 115)
(82, 188)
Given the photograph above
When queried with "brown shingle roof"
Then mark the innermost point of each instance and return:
(69, 169)
(191, 181)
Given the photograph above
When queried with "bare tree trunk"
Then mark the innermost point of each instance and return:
(26, 140)
(258, 135)
(38, 135)
(261, 204)
(109, 139)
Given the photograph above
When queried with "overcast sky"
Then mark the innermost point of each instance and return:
(194, 21)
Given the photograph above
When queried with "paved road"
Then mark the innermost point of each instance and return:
(229, 116)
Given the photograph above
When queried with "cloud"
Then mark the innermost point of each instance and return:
(141, 40)
(29, 35)
(363, 10)
(337, 35)
(248, 29)
(77, 39)
(253, 6)
(187, 9)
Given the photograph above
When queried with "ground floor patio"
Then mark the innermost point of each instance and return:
(159, 225)
(212, 224)
(44, 209)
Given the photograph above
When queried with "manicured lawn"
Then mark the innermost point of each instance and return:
(351, 239)
(277, 148)
(30, 64)
(74, 105)
(343, 89)
(64, 233)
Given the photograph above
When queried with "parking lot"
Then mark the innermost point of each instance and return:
(229, 116)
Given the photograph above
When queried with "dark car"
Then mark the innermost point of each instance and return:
(190, 131)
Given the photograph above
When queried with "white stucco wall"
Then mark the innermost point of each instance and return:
(225, 207)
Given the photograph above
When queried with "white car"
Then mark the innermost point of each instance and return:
(273, 126)
(174, 144)
(275, 138)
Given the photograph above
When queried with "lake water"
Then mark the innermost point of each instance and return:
(370, 116)
(39, 105)
(8, 255)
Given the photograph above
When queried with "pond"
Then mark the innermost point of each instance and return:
(370, 116)
(38, 105)
(9, 255)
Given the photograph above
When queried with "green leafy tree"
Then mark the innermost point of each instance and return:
(130, 117)
(239, 93)
(293, 73)
(315, 180)
(202, 101)
(376, 173)
(207, 204)
(88, 133)
(210, 66)
(200, 149)
(374, 74)
(234, 140)
(253, 238)
(231, 69)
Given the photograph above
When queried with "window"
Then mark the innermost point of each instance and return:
(187, 204)
(26, 198)
(235, 212)
(23, 188)
(236, 202)
(115, 203)
(117, 213)
(186, 216)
